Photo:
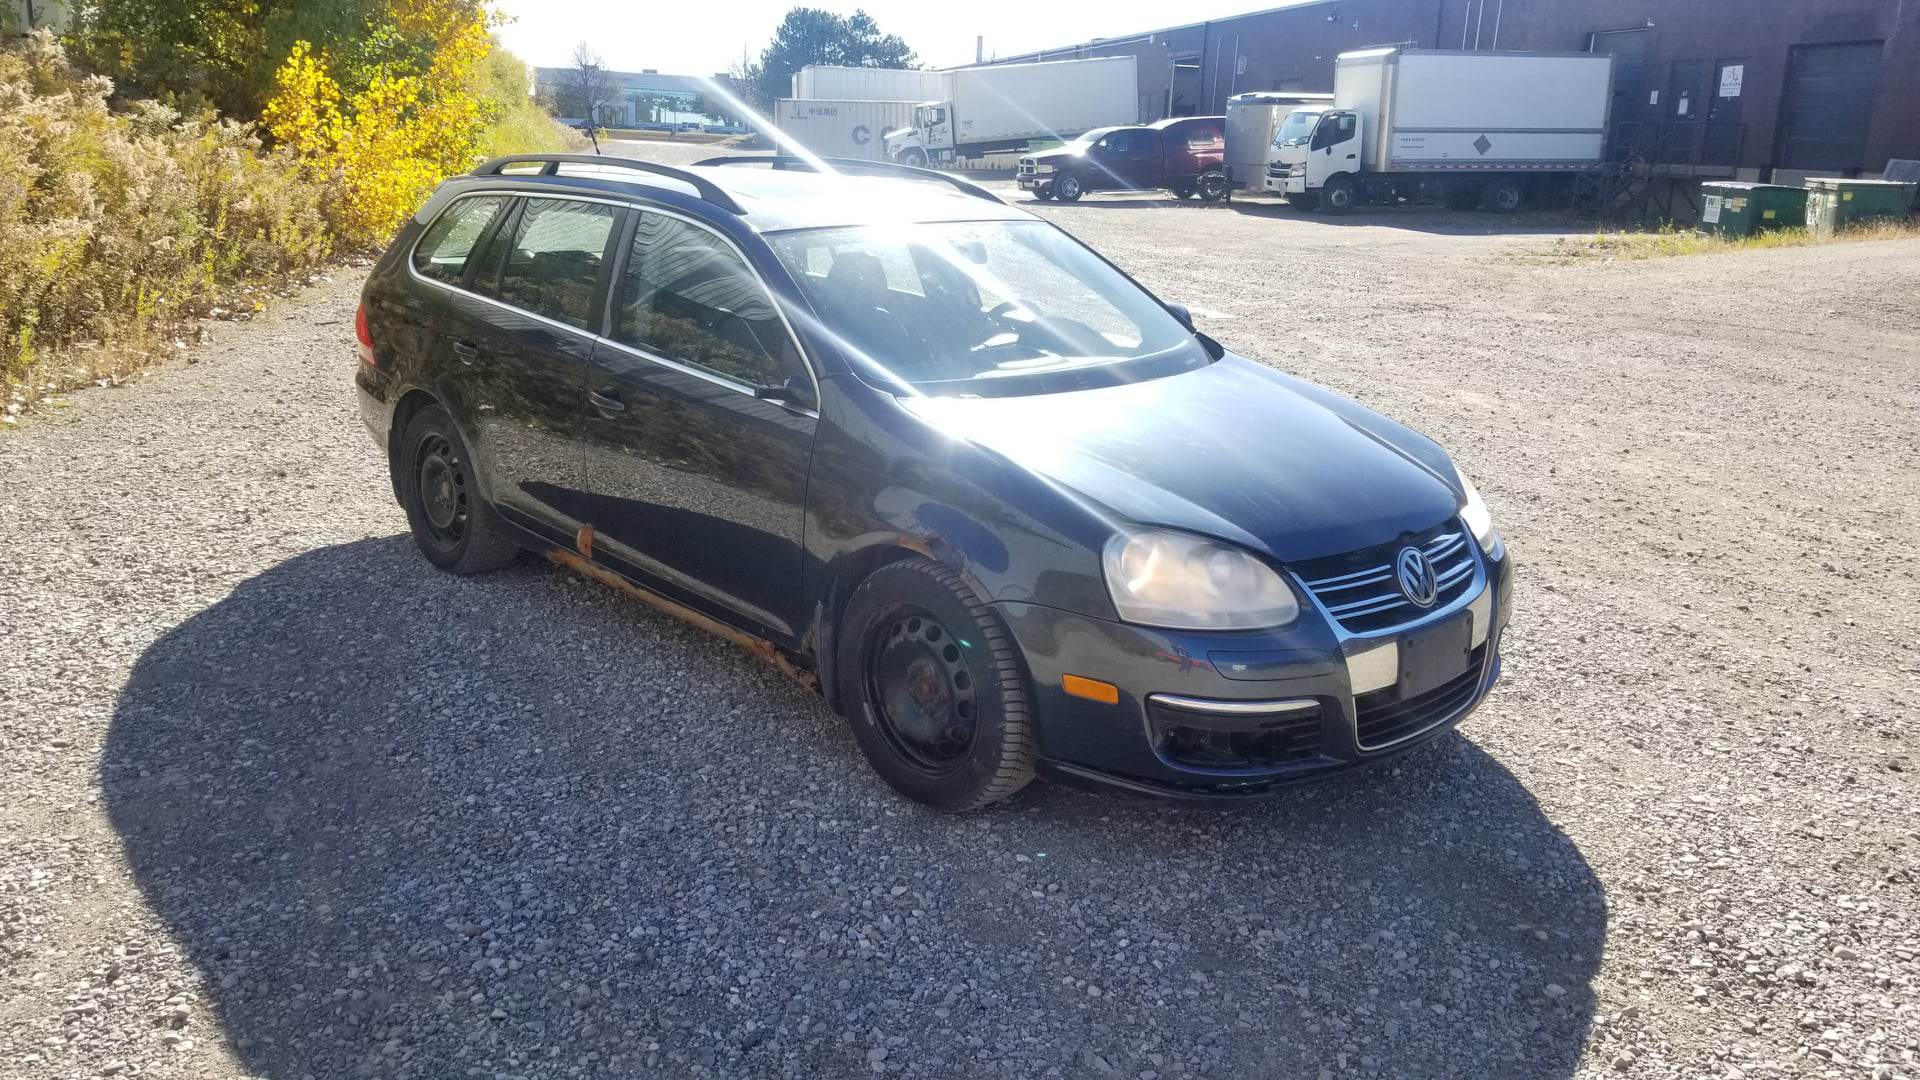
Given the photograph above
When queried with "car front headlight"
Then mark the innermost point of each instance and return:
(1043, 168)
(1475, 514)
(1182, 582)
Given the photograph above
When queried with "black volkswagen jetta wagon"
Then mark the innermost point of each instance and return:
(1006, 509)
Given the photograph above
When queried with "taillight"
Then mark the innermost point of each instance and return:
(363, 335)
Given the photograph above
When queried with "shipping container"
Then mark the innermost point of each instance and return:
(849, 129)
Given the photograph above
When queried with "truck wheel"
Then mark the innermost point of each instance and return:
(1505, 195)
(1303, 201)
(915, 158)
(1068, 188)
(1214, 187)
(1338, 196)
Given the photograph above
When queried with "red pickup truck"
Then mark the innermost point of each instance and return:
(1184, 155)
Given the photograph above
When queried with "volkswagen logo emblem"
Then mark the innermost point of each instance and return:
(1415, 575)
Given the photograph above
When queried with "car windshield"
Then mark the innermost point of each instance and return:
(1297, 128)
(1091, 137)
(991, 308)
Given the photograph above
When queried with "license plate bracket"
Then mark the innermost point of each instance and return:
(1433, 656)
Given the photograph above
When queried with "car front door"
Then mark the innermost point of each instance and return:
(521, 344)
(698, 484)
(1142, 166)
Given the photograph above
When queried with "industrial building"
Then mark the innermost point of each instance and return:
(634, 99)
(1754, 89)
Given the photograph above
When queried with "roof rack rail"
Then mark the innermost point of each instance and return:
(708, 190)
(788, 161)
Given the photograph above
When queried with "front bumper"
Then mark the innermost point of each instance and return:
(1298, 677)
(1034, 181)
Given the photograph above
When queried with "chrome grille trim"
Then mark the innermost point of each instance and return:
(1358, 599)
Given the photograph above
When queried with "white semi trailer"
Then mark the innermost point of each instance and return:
(846, 129)
(999, 108)
(1469, 128)
(830, 82)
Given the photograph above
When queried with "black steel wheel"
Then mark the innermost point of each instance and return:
(1214, 187)
(1339, 196)
(1068, 188)
(936, 697)
(922, 690)
(451, 520)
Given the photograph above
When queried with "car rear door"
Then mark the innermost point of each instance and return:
(520, 337)
(698, 485)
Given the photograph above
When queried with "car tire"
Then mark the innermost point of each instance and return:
(937, 698)
(1338, 196)
(915, 158)
(1304, 201)
(1505, 194)
(453, 524)
(1068, 188)
(1214, 187)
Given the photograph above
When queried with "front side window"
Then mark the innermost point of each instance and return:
(690, 298)
(1333, 131)
(553, 267)
(1117, 143)
(981, 307)
(442, 253)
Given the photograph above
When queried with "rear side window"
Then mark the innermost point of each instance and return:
(688, 297)
(442, 253)
(553, 267)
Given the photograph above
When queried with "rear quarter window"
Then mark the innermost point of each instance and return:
(443, 252)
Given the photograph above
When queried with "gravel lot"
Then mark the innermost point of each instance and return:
(281, 801)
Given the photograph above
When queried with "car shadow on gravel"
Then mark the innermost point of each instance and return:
(412, 825)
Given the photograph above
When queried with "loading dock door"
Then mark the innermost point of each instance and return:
(1629, 51)
(1828, 104)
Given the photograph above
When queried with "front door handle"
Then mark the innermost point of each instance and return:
(467, 351)
(607, 401)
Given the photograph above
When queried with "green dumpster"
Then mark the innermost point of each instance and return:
(1733, 209)
(1834, 205)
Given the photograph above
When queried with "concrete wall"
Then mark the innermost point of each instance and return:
(1292, 48)
(54, 15)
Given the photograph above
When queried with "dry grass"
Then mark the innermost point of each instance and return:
(1669, 241)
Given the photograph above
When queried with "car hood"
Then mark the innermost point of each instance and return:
(1235, 450)
(1055, 156)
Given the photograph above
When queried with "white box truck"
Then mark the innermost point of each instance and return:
(828, 82)
(847, 129)
(1252, 118)
(998, 108)
(1468, 128)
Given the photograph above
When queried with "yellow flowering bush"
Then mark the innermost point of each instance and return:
(387, 144)
(118, 224)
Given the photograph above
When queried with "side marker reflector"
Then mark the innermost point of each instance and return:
(1092, 689)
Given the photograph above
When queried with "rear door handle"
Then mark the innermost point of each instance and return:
(467, 351)
(607, 401)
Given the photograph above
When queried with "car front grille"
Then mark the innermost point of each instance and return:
(1027, 167)
(1361, 592)
(1382, 718)
(1279, 171)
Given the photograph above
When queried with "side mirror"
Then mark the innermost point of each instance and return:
(1181, 313)
(794, 393)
